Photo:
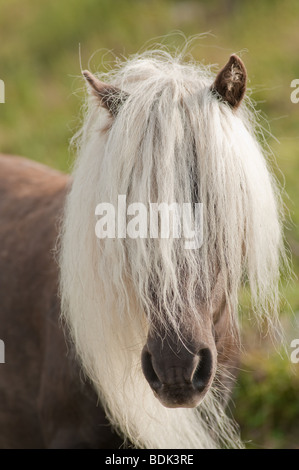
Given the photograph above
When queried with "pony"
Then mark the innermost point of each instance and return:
(117, 341)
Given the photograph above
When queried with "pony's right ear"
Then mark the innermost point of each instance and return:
(109, 96)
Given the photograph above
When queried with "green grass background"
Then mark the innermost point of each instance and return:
(39, 63)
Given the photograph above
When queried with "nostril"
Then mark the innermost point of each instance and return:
(149, 371)
(203, 370)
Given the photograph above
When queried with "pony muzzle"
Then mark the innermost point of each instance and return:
(179, 383)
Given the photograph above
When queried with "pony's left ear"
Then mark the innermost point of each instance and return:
(109, 96)
(230, 82)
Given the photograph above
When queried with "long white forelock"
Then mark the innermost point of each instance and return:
(170, 133)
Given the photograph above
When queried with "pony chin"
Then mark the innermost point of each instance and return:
(104, 282)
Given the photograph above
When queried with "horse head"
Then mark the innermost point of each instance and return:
(179, 360)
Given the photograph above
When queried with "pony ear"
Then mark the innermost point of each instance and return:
(109, 96)
(230, 82)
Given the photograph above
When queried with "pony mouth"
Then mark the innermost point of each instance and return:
(177, 396)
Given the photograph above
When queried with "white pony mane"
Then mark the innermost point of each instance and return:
(170, 133)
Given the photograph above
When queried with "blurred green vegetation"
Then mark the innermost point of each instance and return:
(39, 63)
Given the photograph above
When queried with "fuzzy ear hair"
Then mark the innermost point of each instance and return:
(230, 82)
(109, 96)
